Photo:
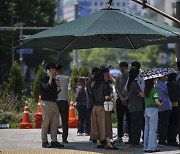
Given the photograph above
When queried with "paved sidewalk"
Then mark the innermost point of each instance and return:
(29, 141)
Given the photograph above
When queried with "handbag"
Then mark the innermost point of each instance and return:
(108, 106)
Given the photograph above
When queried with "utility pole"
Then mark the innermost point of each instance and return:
(21, 37)
(178, 26)
(76, 51)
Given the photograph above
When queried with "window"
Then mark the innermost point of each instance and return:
(95, 3)
(118, 4)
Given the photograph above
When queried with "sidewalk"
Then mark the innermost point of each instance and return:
(28, 141)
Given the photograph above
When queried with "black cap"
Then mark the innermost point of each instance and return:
(105, 68)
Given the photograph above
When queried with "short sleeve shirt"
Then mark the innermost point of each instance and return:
(150, 101)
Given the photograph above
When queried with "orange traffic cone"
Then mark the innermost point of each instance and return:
(38, 115)
(25, 120)
(73, 121)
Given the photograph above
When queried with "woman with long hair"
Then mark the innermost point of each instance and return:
(101, 91)
(82, 108)
(152, 103)
(135, 108)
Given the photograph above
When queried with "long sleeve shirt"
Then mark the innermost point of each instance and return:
(163, 95)
(48, 92)
(134, 100)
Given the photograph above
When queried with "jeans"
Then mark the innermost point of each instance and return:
(151, 123)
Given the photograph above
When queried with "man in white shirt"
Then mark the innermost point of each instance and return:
(62, 101)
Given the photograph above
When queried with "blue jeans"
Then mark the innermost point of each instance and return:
(151, 123)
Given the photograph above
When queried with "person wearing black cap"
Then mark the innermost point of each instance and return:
(49, 89)
(121, 106)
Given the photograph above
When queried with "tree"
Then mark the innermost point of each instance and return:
(15, 84)
(30, 13)
(149, 57)
(97, 56)
(84, 71)
(74, 77)
(35, 89)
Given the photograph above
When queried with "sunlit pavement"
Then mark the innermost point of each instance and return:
(29, 141)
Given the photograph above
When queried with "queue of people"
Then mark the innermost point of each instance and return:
(150, 107)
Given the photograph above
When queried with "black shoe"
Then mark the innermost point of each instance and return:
(100, 146)
(127, 142)
(173, 144)
(65, 141)
(162, 143)
(56, 145)
(46, 145)
(58, 132)
(111, 148)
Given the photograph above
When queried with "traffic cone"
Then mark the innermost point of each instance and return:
(25, 120)
(73, 121)
(38, 115)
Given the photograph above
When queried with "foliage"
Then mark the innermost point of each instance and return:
(35, 89)
(31, 13)
(149, 57)
(74, 77)
(95, 57)
(84, 71)
(15, 84)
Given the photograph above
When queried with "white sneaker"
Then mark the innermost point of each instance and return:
(126, 135)
(118, 140)
(79, 134)
(85, 134)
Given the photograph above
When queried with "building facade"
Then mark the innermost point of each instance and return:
(167, 6)
(86, 7)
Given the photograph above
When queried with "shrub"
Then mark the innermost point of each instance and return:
(15, 85)
(84, 71)
(35, 89)
(74, 77)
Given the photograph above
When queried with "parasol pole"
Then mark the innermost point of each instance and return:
(146, 5)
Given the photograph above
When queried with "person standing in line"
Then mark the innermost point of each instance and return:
(135, 108)
(81, 105)
(151, 116)
(173, 119)
(121, 106)
(49, 89)
(164, 110)
(62, 101)
(136, 65)
(99, 125)
(178, 88)
(89, 96)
